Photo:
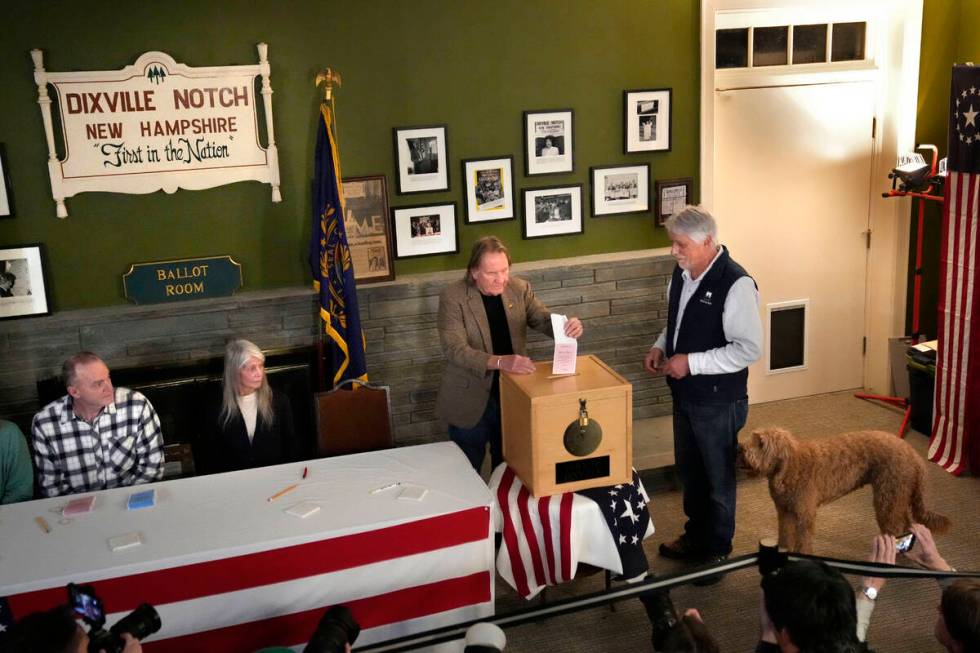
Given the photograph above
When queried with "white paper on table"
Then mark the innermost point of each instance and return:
(566, 347)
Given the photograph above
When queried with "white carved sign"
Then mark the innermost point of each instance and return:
(157, 125)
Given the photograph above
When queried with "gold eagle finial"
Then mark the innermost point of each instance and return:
(331, 77)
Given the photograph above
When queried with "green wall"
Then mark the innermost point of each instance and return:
(940, 35)
(948, 36)
(472, 65)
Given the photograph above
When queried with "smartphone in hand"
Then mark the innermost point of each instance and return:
(904, 542)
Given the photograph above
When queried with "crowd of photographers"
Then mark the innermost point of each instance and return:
(806, 607)
(59, 631)
(809, 607)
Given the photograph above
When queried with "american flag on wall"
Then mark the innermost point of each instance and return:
(545, 538)
(955, 443)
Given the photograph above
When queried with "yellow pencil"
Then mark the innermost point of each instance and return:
(43, 524)
(283, 491)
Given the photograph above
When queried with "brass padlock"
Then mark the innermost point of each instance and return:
(582, 436)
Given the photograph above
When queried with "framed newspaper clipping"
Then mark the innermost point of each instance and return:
(22, 289)
(553, 211)
(646, 120)
(488, 189)
(620, 189)
(549, 148)
(421, 159)
(672, 196)
(368, 234)
(425, 230)
(6, 189)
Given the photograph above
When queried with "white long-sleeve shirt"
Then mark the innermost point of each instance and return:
(249, 406)
(740, 322)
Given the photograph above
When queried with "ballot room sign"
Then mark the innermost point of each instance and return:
(173, 281)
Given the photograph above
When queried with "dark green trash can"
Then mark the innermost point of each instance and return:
(922, 384)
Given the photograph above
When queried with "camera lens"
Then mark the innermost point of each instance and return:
(336, 629)
(139, 623)
(770, 557)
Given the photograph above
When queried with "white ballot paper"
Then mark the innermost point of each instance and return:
(566, 347)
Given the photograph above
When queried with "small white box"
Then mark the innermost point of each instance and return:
(413, 493)
(127, 541)
(302, 510)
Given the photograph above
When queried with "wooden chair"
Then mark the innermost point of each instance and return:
(353, 419)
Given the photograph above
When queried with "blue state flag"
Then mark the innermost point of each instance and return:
(330, 262)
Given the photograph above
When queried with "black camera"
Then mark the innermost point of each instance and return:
(663, 617)
(139, 623)
(771, 559)
(336, 629)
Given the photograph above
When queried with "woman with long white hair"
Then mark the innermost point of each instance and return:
(254, 426)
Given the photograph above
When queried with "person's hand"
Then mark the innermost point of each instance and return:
(676, 366)
(654, 361)
(693, 614)
(767, 630)
(883, 551)
(924, 551)
(516, 364)
(573, 327)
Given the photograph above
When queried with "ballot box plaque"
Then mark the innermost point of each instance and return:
(538, 410)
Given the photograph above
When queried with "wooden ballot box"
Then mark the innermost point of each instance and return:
(545, 441)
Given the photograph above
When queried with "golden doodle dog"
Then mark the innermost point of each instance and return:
(806, 474)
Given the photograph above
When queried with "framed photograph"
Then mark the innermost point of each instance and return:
(646, 120)
(22, 289)
(620, 189)
(672, 196)
(425, 230)
(6, 190)
(549, 148)
(421, 159)
(366, 222)
(488, 189)
(553, 211)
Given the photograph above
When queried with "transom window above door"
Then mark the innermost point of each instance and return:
(791, 45)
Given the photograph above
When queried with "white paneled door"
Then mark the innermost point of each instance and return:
(792, 184)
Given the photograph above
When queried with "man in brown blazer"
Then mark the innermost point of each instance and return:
(483, 321)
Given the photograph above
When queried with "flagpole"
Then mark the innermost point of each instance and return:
(328, 77)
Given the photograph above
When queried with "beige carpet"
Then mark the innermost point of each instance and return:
(906, 612)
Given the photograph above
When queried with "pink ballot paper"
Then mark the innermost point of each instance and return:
(79, 506)
(566, 348)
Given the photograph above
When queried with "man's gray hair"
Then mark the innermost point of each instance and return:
(694, 222)
(69, 369)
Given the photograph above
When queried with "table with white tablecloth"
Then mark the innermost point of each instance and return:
(229, 570)
(544, 539)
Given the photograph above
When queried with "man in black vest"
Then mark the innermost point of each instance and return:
(713, 333)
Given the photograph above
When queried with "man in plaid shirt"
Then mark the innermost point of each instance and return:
(95, 437)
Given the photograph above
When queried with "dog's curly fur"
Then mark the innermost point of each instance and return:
(805, 474)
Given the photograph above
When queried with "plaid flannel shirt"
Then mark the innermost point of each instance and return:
(122, 446)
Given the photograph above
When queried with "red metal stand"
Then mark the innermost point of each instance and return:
(895, 401)
(903, 402)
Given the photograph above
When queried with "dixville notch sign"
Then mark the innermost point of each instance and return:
(157, 125)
